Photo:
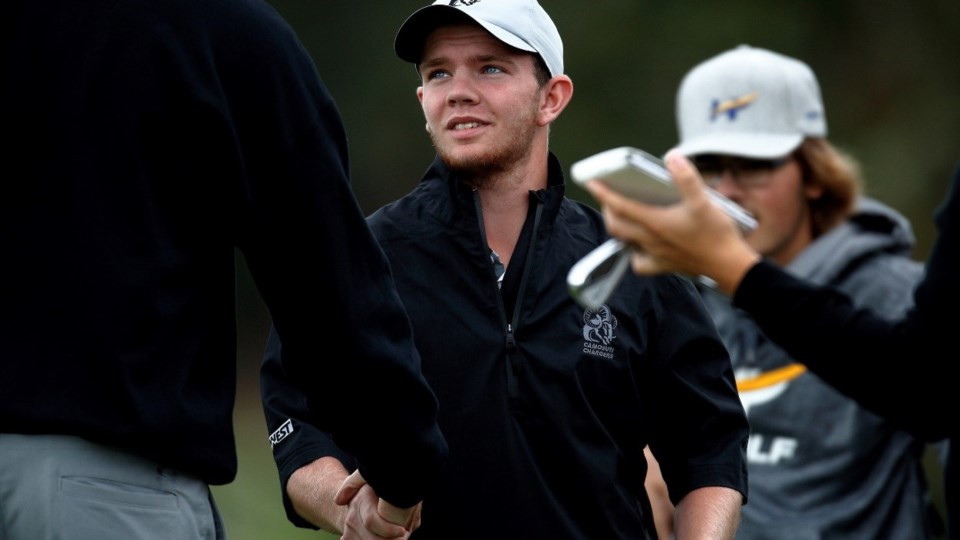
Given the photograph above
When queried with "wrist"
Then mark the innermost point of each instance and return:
(734, 266)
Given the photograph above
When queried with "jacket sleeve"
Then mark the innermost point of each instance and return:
(322, 275)
(699, 427)
(294, 441)
(861, 354)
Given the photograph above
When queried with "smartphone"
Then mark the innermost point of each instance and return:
(642, 176)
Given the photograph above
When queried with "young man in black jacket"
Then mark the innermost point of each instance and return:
(148, 142)
(547, 406)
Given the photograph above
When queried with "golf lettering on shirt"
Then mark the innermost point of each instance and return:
(757, 388)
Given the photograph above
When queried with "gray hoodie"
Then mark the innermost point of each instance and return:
(821, 466)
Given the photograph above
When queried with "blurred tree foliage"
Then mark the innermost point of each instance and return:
(892, 101)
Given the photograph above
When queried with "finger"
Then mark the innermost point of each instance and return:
(629, 228)
(384, 529)
(415, 524)
(643, 264)
(349, 488)
(685, 175)
(364, 522)
(394, 514)
(389, 524)
(374, 530)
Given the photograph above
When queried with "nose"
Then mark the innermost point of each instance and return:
(461, 89)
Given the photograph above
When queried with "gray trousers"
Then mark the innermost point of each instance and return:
(55, 487)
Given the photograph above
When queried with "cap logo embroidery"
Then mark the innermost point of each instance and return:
(463, 2)
(598, 326)
(730, 107)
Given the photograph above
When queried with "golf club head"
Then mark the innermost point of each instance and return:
(594, 277)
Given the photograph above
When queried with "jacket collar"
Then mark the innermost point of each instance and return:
(551, 197)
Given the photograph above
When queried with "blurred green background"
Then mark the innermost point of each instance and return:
(887, 71)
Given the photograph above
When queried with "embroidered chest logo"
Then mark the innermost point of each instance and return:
(598, 327)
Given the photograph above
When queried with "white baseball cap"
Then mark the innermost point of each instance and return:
(749, 102)
(519, 23)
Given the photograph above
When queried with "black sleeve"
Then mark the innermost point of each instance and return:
(700, 427)
(293, 441)
(322, 275)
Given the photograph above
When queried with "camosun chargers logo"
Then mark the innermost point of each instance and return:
(598, 327)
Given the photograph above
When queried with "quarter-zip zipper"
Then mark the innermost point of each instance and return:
(513, 364)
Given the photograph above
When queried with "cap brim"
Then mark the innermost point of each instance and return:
(408, 43)
(748, 145)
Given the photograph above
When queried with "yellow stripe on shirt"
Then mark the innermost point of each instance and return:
(771, 378)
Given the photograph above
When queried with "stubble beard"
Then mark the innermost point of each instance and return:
(480, 168)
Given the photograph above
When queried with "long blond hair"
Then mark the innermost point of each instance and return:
(837, 173)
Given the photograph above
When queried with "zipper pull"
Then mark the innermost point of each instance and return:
(511, 343)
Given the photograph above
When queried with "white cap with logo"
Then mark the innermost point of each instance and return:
(749, 102)
(519, 23)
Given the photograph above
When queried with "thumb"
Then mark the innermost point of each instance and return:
(685, 175)
(349, 488)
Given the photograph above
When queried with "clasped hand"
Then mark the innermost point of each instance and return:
(370, 517)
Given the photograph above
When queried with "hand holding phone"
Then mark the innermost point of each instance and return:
(642, 176)
(639, 175)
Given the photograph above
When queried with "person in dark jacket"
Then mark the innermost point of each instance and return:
(547, 406)
(853, 348)
(149, 142)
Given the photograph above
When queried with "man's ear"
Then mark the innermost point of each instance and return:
(557, 93)
(420, 100)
